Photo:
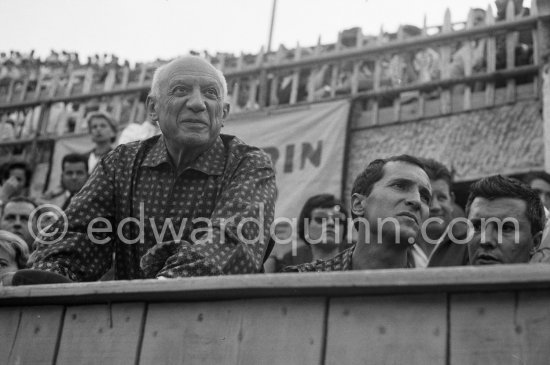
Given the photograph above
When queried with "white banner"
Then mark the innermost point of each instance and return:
(306, 145)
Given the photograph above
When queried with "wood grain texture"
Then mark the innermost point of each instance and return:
(387, 330)
(483, 329)
(101, 334)
(533, 326)
(37, 336)
(10, 319)
(272, 331)
(349, 283)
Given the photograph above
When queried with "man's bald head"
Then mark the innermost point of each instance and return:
(195, 63)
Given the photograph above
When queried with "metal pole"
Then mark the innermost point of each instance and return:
(271, 26)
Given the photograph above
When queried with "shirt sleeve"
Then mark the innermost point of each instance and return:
(236, 241)
(72, 252)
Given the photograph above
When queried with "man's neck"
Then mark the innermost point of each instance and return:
(323, 254)
(387, 255)
(102, 148)
(183, 157)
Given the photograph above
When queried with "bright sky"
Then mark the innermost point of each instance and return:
(142, 30)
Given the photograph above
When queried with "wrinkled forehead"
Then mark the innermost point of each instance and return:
(190, 67)
(405, 170)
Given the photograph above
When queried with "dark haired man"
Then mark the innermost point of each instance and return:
(507, 219)
(74, 174)
(390, 202)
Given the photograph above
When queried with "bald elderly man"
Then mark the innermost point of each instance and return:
(189, 202)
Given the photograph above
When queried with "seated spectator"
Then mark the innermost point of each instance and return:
(322, 232)
(103, 132)
(507, 219)
(390, 202)
(441, 210)
(14, 252)
(540, 182)
(437, 243)
(74, 174)
(199, 182)
(15, 217)
(16, 180)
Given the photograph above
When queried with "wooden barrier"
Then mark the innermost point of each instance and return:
(468, 315)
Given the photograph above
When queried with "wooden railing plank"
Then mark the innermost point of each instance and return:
(258, 331)
(483, 329)
(533, 325)
(387, 330)
(457, 279)
(37, 335)
(101, 334)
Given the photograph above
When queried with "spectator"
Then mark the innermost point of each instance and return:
(322, 232)
(191, 177)
(74, 174)
(540, 182)
(507, 219)
(15, 218)
(390, 202)
(103, 132)
(14, 252)
(16, 180)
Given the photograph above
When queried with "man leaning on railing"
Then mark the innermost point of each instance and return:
(189, 202)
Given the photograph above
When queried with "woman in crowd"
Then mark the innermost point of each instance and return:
(14, 252)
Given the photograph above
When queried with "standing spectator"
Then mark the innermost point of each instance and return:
(103, 132)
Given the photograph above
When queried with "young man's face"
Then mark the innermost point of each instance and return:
(326, 226)
(403, 194)
(441, 208)
(501, 232)
(74, 176)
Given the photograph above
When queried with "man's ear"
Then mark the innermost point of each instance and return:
(226, 109)
(452, 197)
(358, 204)
(151, 105)
(537, 239)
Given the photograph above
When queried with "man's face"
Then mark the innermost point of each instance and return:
(326, 226)
(190, 108)
(15, 219)
(74, 176)
(441, 208)
(20, 175)
(500, 241)
(100, 130)
(404, 194)
(543, 189)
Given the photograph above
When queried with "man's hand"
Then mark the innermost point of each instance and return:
(155, 259)
(7, 279)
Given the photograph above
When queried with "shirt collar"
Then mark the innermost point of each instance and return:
(211, 162)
